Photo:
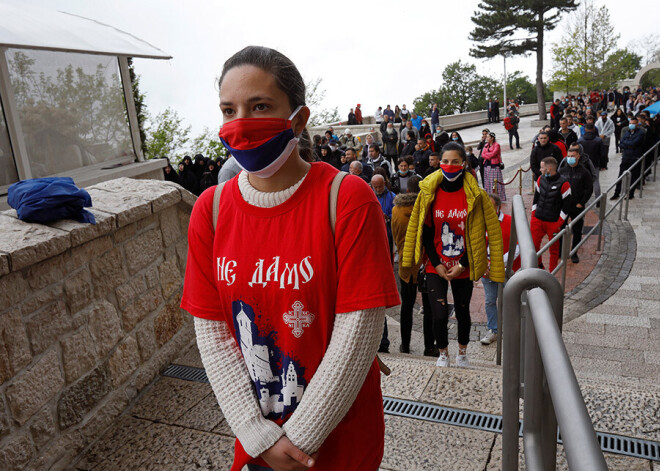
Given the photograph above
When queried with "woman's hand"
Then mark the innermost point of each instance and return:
(441, 270)
(454, 272)
(284, 456)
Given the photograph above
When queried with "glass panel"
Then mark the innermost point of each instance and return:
(71, 108)
(8, 173)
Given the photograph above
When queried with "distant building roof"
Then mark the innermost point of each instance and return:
(38, 28)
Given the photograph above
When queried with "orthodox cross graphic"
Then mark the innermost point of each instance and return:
(298, 319)
(462, 225)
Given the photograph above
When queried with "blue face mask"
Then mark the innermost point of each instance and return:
(454, 139)
(546, 174)
(632, 126)
(571, 160)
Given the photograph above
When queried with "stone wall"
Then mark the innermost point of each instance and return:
(89, 314)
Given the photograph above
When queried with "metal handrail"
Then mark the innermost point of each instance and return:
(551, 390)
(623, 201)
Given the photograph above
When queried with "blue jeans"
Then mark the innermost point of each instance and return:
(490, 290)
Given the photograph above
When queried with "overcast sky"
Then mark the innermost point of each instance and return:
(373, 53)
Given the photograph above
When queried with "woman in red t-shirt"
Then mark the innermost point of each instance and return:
(289, 308)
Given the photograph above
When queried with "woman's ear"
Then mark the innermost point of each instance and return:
(299, 121)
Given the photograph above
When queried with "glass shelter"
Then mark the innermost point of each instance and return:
(66, 101)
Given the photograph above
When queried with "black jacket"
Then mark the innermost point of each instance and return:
(421, 158)
(592, 146)
(570, 138)
(541, 152)
(581, 184)
(552, 199)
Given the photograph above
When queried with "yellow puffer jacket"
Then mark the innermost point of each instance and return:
(481, 218)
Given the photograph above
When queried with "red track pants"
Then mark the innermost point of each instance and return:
(540, 229)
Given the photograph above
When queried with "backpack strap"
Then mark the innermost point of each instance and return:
(216, 203)
(334, 193)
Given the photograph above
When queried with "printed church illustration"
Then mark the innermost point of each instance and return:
(278, 394)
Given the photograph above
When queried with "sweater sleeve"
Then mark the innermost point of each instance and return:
(565, 202)
(338, 379)
(536, 195)
(232, 385)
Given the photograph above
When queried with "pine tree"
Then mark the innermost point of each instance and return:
(518, 27)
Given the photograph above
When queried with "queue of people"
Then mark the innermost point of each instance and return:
(195, 176)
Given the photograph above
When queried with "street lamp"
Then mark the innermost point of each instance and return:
(504, 50)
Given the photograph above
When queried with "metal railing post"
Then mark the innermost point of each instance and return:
(601, 219)
(642, 177)
(565, 252)
(655, 159)
(626, 196)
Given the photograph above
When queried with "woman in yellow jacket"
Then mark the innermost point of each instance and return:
(449, 223)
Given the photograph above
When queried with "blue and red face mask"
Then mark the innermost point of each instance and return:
(260, 145)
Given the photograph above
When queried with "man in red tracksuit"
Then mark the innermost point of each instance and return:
(552, 203)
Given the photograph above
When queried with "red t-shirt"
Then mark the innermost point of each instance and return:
(449, 215)
(277, 277)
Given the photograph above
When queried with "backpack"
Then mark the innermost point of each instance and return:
(507, 124)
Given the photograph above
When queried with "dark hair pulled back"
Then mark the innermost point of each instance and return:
(286, 75)
(455, 147)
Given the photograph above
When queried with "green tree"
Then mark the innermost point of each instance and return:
(140, 106)
(620, 65)
(566, 75)
(462, 90)
(314, 96)
(518, 86)
(166, 136)
(517, 27)
(209, 145)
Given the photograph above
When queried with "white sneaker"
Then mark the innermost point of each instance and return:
(462, 361)
(443, 359)
(489, 338)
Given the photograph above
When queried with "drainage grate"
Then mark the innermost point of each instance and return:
(611, 443)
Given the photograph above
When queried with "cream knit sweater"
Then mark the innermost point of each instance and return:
(329, 394)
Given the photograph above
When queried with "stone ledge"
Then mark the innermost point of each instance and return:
(116, 203)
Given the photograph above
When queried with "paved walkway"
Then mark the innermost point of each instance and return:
(612, 331)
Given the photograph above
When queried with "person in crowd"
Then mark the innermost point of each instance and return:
(229, 170)
(456, 137)
(349, 140)
(383, 125)
(480, 148)
(429, 140)
(350, 156)
(377, 160)
(434, 163)
(409, 144)
(435, 118)
(351, 118)
(491, 110)
(386, 199)
(493, 165)
(170, 174)
(542, 149)
(421, 156)
(378, 115)
(425, 128)
(389, 112)
(449, 220)
(409, 127)
(592, 144)
(605, 128)
(441, 138)
(358, 114)
(581, 184)
(343, 336)
(491, 288)
(472, 161)
(552, 203)
(620, 121)
(415, 120)
(404, 174)
(369, 142)
(390, 140)
(209, 177)
(405, 114)
(555, 114)
(585, 161)
(496, 109)
(317, 142)
(403, 206)
(511, 125)
(632, 145)
(333, 155)
(570, 122)
(567, 133)
(397, 114)
(355, 168)
(187, 177)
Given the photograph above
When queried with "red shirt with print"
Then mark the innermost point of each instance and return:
(273, 276)
(449, 217)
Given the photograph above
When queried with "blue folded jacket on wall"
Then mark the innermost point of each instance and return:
(44, 200)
